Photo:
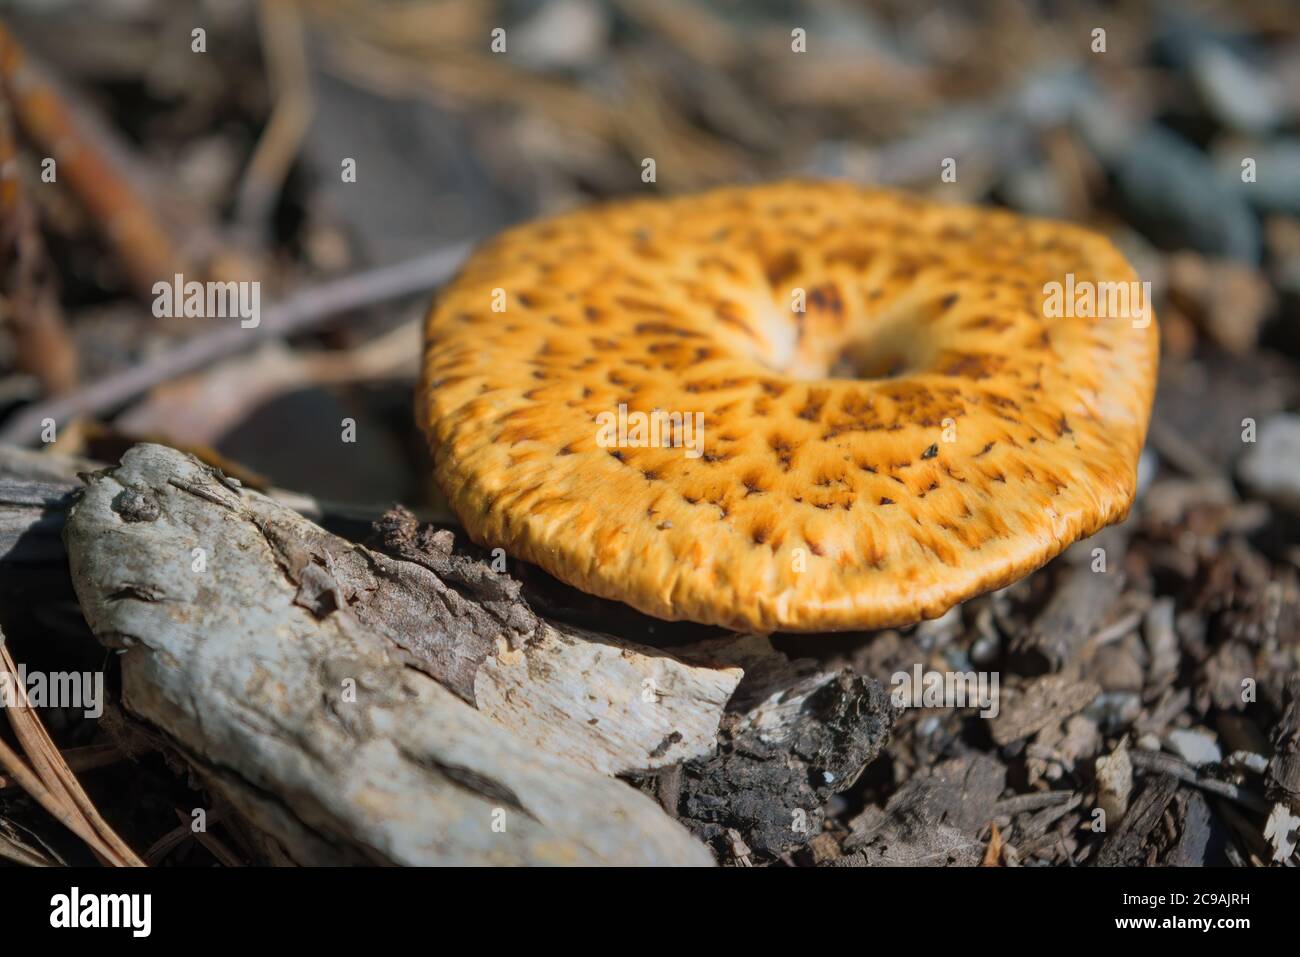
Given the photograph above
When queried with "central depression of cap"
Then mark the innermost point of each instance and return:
(662, 402)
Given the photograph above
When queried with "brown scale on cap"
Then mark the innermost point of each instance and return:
(920, 433)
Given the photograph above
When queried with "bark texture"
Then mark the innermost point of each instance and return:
(324, 688)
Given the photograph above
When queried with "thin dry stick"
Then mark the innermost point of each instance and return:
(55, 773)
(177, 836)
(394, 354)
(1168, 764)
(300, 311)
(28, 300)
(215, 846)
(283, 46)
(16, 768)
(80, 759)
(173, 839)
(56, 778)
(90, 160)
(18, 853)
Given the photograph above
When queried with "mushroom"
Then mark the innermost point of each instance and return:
(799, 406)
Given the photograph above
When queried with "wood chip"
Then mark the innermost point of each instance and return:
(1041, 702)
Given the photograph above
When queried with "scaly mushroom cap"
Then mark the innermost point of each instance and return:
(982, 435)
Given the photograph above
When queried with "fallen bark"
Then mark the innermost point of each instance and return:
(793, 733)
(1283, 777)
(605, 703)
(31, 518)
(1134, 842)
(318, 685)
(36, 490)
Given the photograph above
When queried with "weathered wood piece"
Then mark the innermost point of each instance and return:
(605, 703)
(31, 518)
(35, 491)
(1131, 843)
(1041, 702)
(1283, 779)
(282, 664)
(1201, 837)
(935, 819)
(610, 705)
(1157, 762)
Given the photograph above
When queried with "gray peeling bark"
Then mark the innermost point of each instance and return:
(307, 679)
(407, 705)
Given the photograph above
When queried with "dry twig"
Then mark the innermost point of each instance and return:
(282, 42)
(299, 312)
(89, 160)
(28, 304)
(51, 782)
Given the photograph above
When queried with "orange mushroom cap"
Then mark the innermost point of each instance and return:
(799, 406)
